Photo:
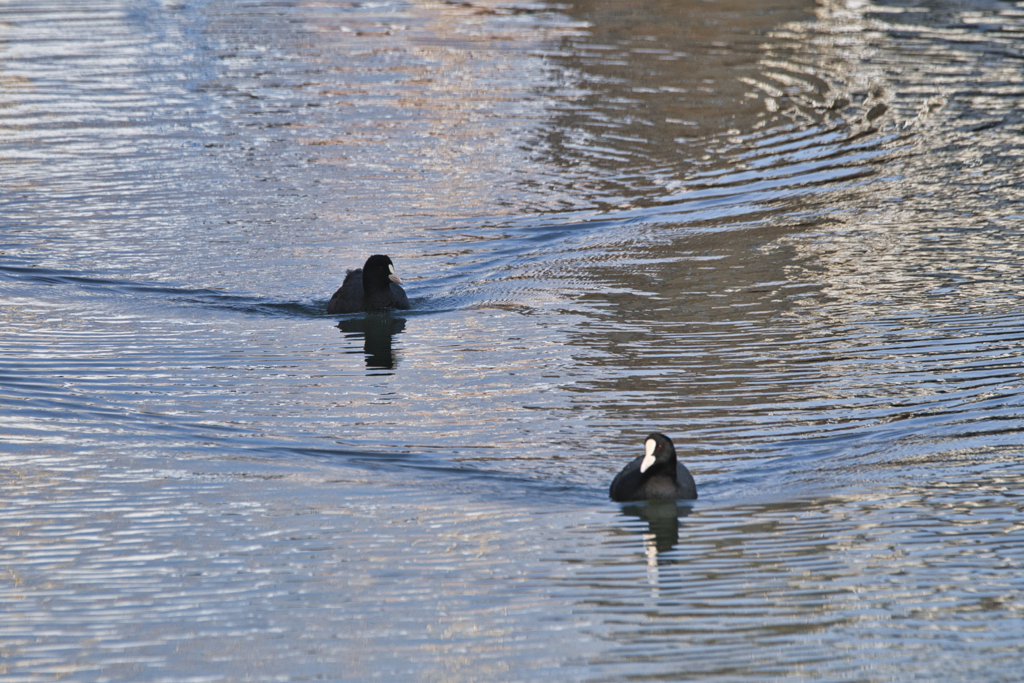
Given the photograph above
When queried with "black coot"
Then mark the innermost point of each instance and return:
(654, 476)
(373, 287)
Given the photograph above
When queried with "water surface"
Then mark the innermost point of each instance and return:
(787, 234)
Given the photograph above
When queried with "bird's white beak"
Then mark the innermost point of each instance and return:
(648, 460)
(393, 276)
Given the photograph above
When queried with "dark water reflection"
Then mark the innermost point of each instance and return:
(663, 520)
(377, 333)
(785, 233)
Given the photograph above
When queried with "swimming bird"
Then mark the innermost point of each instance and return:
(373, 287)
(654, 476)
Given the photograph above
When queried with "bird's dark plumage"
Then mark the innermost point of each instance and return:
(373, 287)
(662, 478)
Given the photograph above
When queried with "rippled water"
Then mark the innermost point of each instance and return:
(787, 234)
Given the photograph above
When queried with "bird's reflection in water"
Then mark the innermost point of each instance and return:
(662, 517)
(377, 331)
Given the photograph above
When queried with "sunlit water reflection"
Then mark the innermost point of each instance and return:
(787, 237)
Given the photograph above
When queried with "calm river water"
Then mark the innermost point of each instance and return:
(786, 233)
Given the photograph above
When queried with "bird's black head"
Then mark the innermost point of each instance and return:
(659, 453)
(378, 272)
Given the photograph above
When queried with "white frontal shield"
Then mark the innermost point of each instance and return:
(648, 455)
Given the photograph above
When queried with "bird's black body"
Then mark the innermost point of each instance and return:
(373, 287)
(664, 478)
